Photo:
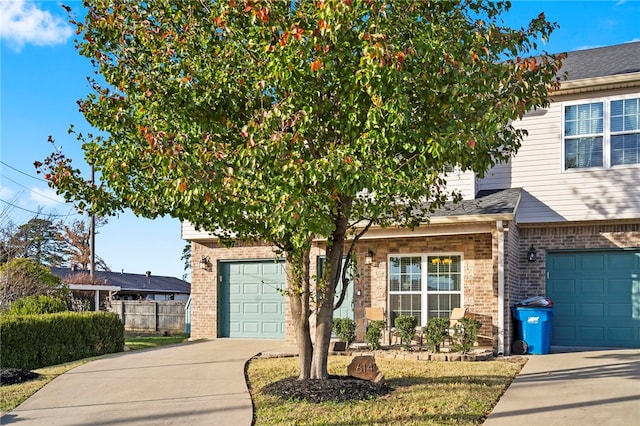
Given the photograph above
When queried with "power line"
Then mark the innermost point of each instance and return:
(20, 171)
(31, 211)
(31, 190)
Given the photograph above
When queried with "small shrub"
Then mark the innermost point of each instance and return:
(436, 331)
(374, 333)
(345, 329)
(465, 334)
(26, 277)
(406, 326)
(37, 305)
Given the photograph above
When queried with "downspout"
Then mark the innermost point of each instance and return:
(500, 229)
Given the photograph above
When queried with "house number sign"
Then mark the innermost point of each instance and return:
(364, 367)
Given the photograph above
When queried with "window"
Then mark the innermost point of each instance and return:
(625, 132)
(408, 294)
(602, 134)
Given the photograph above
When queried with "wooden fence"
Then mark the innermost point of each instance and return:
(151, 316)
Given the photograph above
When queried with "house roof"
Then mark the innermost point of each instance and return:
(131, 282)
(488, 202)
(602, 61)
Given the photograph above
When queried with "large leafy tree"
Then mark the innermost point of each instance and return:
(286, 121)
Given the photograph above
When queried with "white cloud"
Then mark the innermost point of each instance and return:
(46, 197)
(22, 22)
(6, 194)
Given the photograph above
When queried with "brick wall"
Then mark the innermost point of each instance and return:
(479, 251)
(204, 295)
(479, 254)
(512, 291)
(573, 237)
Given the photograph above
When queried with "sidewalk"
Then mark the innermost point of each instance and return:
(198, 383)
(574, 388)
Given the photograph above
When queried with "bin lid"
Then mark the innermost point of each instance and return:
(535, 301)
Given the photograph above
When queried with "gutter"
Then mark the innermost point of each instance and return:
(619, 81)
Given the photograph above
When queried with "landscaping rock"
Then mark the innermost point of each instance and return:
(364, 367)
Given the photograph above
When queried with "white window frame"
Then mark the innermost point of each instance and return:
(606, 132)
(424, 290)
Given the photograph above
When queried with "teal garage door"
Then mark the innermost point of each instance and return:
(251, 304)
(596, 296)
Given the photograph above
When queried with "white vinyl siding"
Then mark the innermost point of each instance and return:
(463, 182)
(498, 177)
(552, 194)
(190, 233)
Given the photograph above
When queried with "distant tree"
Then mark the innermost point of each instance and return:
(75, 237)
(26, 277)
(286, 121)
(38, 239)
(186, 258)
(7, 231)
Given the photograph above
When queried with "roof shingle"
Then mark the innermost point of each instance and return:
(132, 282)
(602, 61)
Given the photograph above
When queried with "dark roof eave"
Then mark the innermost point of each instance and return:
(152, 290)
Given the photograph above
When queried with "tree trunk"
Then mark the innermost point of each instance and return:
(324, 318)
(298, 295)
(305, 348)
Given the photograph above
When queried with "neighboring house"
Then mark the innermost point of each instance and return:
(130, 286)
(561, 220)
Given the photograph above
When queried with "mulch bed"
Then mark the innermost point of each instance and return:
(11, 376)
(335, 388)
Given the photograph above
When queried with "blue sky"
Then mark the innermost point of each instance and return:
(42, 77)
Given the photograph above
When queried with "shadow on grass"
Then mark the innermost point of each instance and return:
(493, 380)
(400, 418)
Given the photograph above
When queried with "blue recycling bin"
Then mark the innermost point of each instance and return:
(534, 327)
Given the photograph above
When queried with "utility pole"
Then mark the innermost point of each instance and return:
(92, 233)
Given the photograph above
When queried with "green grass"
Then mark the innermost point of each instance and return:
(425, 393)
(147, 341)
(13, 395)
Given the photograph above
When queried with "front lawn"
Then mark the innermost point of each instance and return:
(424, 393)
(147, 341)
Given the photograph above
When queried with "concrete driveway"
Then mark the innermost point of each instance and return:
(573, 388)
(203, 383)
(198, 383)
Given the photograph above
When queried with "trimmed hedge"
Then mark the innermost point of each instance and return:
(35, 341)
